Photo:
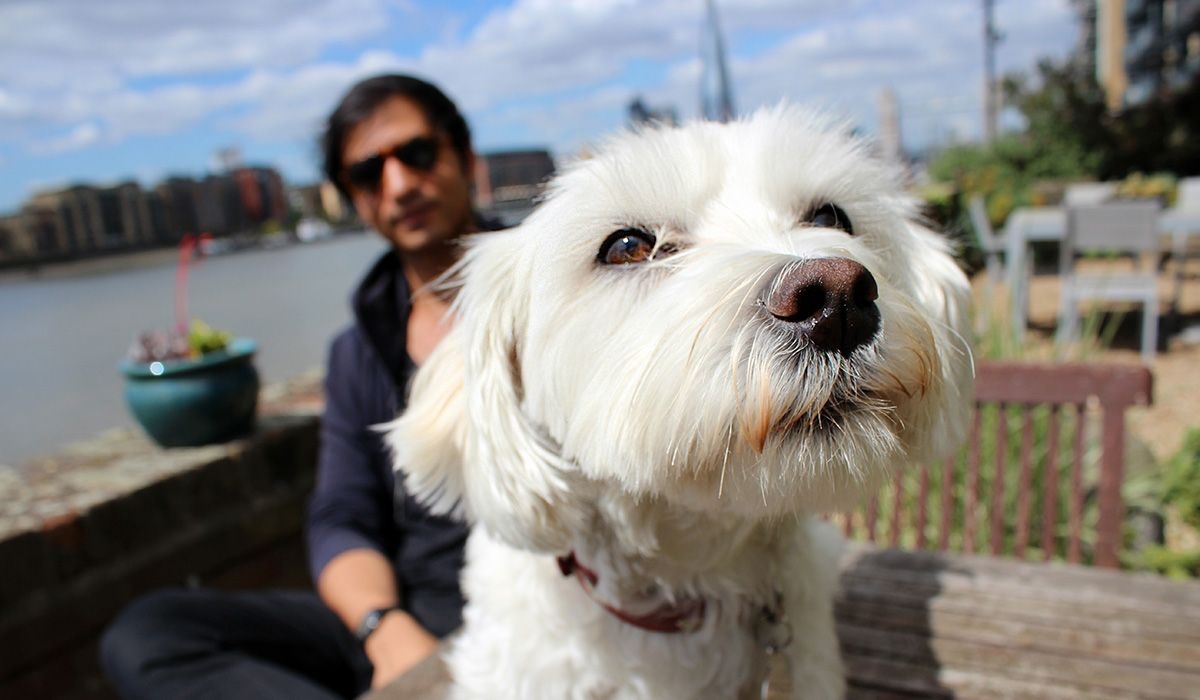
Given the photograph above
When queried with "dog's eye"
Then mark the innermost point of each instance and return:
(829, 216)
(627, 246)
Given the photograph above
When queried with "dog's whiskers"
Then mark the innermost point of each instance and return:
(963, 345)
(746, 288)
(757, 418)
(725, 462)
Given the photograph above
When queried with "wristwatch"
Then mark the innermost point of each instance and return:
(370, 622)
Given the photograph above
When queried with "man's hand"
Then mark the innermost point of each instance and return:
(398, 644)
(360, 580)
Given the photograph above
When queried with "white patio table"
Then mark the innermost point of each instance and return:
(1024, 226)
(1028, 225)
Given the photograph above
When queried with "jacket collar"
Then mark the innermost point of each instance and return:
(381, 305)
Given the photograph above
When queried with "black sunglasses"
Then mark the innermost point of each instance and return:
(420, 154)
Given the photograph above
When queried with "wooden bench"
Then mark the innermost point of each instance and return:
(938, 625)
(1040, 474)
(935, 624)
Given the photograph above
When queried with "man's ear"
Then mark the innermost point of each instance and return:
(464, 436)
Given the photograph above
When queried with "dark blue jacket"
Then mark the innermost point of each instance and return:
(357, 501)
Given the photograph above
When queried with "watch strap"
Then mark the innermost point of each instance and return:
(370, 622)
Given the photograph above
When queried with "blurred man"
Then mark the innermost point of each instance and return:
(386, 572)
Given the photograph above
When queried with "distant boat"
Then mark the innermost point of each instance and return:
(310, 229)
(216, 246)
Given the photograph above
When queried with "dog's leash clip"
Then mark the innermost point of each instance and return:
(773, 633)
(772, 630)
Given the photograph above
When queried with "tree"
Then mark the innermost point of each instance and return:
(1067, 121)
(1159, 135)
(1067, 129)
(1070, 135)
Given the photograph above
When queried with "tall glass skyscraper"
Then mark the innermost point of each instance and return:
(716, 99)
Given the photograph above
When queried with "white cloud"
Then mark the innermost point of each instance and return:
(838, 57)
(12, 105)
(145, 66)
(80, 136)
(79, 72)
(135, 38)
(531, 48)
(292, 105)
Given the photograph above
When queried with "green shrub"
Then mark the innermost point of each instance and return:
(1181, 480)
(1168, 562)
(1139, 186)
(1174, 489)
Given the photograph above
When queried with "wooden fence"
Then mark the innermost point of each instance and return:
(1033, 480)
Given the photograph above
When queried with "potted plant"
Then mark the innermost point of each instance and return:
(194, 385)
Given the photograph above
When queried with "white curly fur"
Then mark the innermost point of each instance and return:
(654, 420)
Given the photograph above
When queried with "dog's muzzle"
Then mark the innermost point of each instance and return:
(829, 301)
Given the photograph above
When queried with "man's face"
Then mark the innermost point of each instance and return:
(416, 208)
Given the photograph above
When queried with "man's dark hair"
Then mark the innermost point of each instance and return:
(365, 96)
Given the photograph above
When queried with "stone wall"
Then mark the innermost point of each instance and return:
(85, 530)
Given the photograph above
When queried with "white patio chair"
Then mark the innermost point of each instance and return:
(1182, 222)
(990, 243)
(1124, 227)
(992, 247)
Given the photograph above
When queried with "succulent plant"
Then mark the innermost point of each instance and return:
(186, 341)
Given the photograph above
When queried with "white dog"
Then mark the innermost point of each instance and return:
(703, 337)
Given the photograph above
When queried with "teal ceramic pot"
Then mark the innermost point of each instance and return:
(186, 403)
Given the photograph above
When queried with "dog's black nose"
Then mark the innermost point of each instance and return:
(831, 301)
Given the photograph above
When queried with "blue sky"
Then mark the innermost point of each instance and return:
(102, 91)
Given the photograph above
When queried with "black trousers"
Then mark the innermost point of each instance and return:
(197, 643)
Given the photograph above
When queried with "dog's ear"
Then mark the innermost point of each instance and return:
(427, 439)
(944, 293)
(464, 444)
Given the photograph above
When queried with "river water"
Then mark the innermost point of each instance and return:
(61, 337)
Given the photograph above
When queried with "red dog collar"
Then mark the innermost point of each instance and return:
(684, 616)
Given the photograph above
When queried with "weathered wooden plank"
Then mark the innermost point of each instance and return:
(1050, 480)
(1174, 602)
(1075, 511)
(970, 685)
(1023, 482)
(1122, 585)
(1036, 637)
(870, 677)
(999, 512)
(857, 693)
(1054, 383)
(869, 673)
(1074, 614)
(972, 506)
(1053, 670)
(1082, 597)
